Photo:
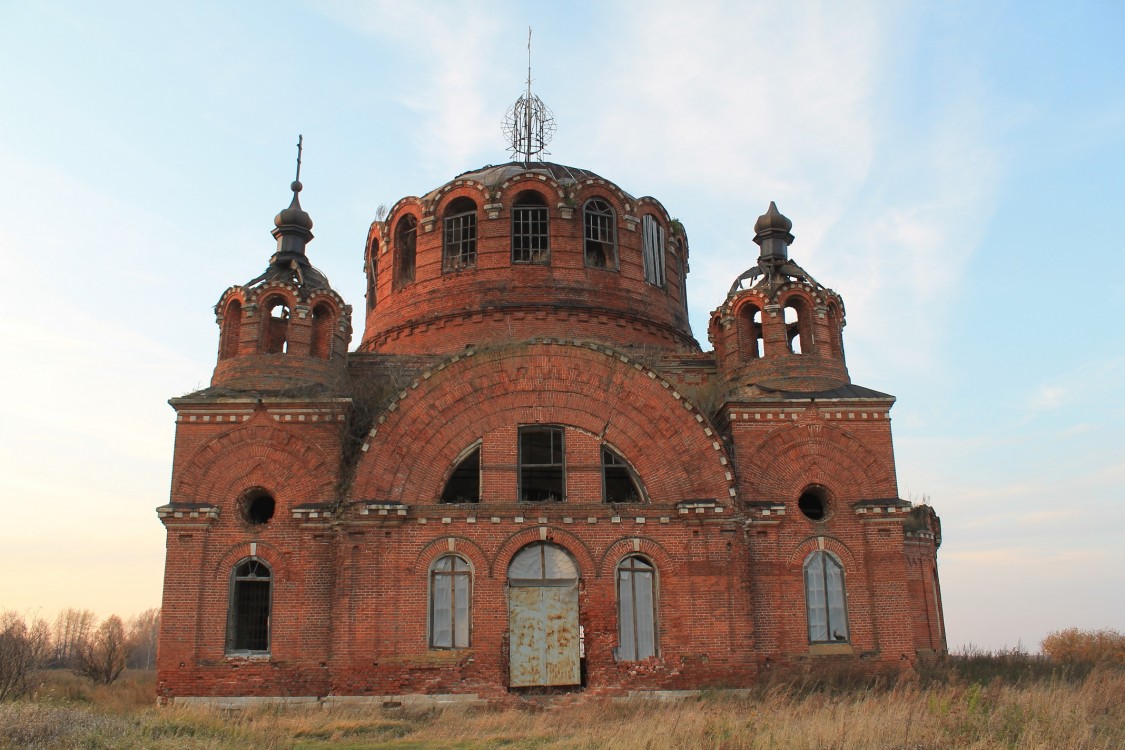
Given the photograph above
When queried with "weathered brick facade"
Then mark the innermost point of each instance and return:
(711, 516)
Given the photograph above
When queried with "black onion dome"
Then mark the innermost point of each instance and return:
(772, 219)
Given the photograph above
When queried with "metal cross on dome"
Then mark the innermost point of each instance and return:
(529, 125)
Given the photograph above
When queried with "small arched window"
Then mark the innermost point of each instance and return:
(323, 321)
(601, 239)
(825, 601)
(463, 485)
(750, 340)
(636, 609)
(653, 234)
(451, 585)
(619, 484)
(248, 618)
(232, 330)
(277, 326)
(530, 238)
(406, 239)
(460, 238)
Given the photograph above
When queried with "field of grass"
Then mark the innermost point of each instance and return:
(980, 701)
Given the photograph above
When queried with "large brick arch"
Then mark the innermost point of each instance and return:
(256, 455)
(670, 443)
(793, 457)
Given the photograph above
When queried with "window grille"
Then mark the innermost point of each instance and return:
(618, 483)
(601, 242)
(451, 581)
(530, 239)
(248, 628)
(460, 235)
(541, 462)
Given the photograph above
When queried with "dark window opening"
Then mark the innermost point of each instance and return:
(814, 503)
(406, 238)
(372, 274)
(530, 239)
(601, 242)
(464, 483)
(825, 601)
(619, 485)
(654, 260)
(277, 326)
(451, 581)
(541, 464)
(258, 507)
(460, 235)
(636, 609)
(248, 626)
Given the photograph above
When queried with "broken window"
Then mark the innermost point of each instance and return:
(451, 583)
(636, 609)
(798, 332)
(406, 237)
(463, 485)
(323, 321)
(601, 242)
(653, 235)
(541, 464)
(372, 273)
(824, 598)
(232, 329)
(530, 242)
(750, 339)
(619, 484)
(248, 619)
(460, 239)
(277, 326)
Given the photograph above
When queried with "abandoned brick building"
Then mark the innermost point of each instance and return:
(529, 473)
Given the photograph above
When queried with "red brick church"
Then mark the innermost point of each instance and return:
(528, 474)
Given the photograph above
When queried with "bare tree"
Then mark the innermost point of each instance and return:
(103, 657)
(72, 630)
(143, 632)
(22, 651)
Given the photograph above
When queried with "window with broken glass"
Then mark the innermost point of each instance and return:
(463, 485)
(653, 250)
(824, 598)
(619, 485)
(636, 609)
(451, 584)
(541, 464)
(530, 241)
(406, 239)
(460, 239)
(248, 619)
(601, 242)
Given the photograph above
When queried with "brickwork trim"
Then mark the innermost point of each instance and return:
(831, 544)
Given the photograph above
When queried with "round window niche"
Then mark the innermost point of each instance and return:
(814, 503)
(257, 507)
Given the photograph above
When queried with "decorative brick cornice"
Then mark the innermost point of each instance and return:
(765, 512)
(187, 514)
(882, 509)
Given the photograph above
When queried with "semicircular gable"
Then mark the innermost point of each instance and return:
(793, 457)
(669, 442)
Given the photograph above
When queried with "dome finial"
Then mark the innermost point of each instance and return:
(529, 124)
(772, 233)
(296, 186)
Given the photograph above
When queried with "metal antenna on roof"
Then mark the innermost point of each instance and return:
(529, 125)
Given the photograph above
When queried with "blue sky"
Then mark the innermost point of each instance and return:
(954, 170)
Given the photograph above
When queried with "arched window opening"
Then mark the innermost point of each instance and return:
(277, 326)
(541, 464)
(653, 234)
(636, 609)
(601, 240)
(825, 600)
(248, 617)
(460, 238)
(530, 238)
(813, 503)
(232, 330)
(463, 485)
(542, 564)
(406, 239)
(323, 321)
(750, 341)
(372, 274)
(619, 484)
(835, 331)
(798, 327)
(451, 585)
(257, 506)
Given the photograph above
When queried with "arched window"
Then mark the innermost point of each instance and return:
(825, 601)
(463, 485)
(541, 464)
(232, 329)
(653, 235)
(323, 321)
(750, 340)
(372, 274)
(406, 239)
(542, 564)
(460, 238)
(451, 585)
(798, 326)
(530, 240)
(835, 330)
(277, 326)
(636, 609)
(619, 484)
(601, 240)
(248, 618)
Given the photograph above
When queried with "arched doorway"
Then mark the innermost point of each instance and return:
(543, 633)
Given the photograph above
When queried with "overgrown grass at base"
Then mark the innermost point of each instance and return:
(974, 700)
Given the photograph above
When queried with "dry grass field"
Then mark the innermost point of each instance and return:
(979, 701)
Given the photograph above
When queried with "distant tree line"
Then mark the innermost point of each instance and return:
(76, 641)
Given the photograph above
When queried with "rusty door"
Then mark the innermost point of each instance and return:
(543, 638)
